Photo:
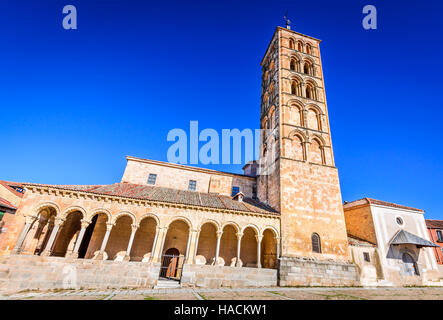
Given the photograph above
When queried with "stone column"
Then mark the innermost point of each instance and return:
(131, 240)
(159, 244)
(48, 248)
(239, 236)
(84, 225)
(217, 250)
(157, 230)
(196, 245)
(192, 247)
(106, 237)
(259, 239)
(18, 245)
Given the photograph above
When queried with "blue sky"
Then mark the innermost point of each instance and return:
(75, 103)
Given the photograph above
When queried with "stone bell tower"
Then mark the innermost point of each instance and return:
(297, 174)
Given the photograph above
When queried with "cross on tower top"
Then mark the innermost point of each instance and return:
(287, 21)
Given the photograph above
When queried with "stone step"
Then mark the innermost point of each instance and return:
(167, 284)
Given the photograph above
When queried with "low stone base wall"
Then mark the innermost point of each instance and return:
(222, 276)
(303, 272)
(20, 272)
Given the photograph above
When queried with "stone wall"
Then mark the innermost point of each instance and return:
(303, 272)
(218, 276)
(21, 272)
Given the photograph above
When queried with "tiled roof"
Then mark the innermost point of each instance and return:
(161, 194)
(354, 241)
(434, 224)
(7, 204)
(378, 202)
(9, 185)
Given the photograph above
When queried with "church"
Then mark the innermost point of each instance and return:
(281, 222)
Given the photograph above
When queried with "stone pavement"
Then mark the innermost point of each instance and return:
(271, 293)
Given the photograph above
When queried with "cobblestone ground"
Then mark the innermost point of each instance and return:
(278, 293)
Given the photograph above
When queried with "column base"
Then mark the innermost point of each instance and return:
(73, 255)
(45, 254)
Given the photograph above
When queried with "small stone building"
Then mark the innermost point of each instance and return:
(401, 253)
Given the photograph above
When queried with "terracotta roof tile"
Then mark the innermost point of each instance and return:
(7, 204)
(9, 185)
(161, 194)
(434, 224)
(355, 241)
(378, 202)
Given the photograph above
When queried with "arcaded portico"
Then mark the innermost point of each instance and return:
(104, 223)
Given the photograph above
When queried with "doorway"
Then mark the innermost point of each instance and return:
(172, 264)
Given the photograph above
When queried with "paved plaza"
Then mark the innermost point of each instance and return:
(277, 293)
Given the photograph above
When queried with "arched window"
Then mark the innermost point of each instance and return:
(300, 46)
(291, 44)
(310, 91)
(296, 87)
(292, 65)
(316, 245)
(308, 48)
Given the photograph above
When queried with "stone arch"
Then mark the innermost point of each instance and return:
(149, 215)
(309, 48)
(215, 223)
(99, 211)
(296, 86)
(316, 243)
(253, 226)
(300, 45)
(291, 43)
(41, 228)
(248, 248)
(294, 63)
(120, 234)
(181, 218)
(268, 249)
(272, 117)
(124, 213)
(319, 138)
(234, 224)
(311, 90)
(207, 241)
(294, 113)
(68, 234)
(95, 232)
(228, 242)
(272, 229)
(72, 209)
(144, 237)
(177, 236)
(316, 151)
(44, 205)
(313, 119)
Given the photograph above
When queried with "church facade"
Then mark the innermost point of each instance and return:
(279, 223)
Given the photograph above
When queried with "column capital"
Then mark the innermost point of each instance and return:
(134, 227)
(259, 238)
(85, 223)
(58, 221)
(219, 234)
(109, 226)
(30, 219)
(239, 235)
